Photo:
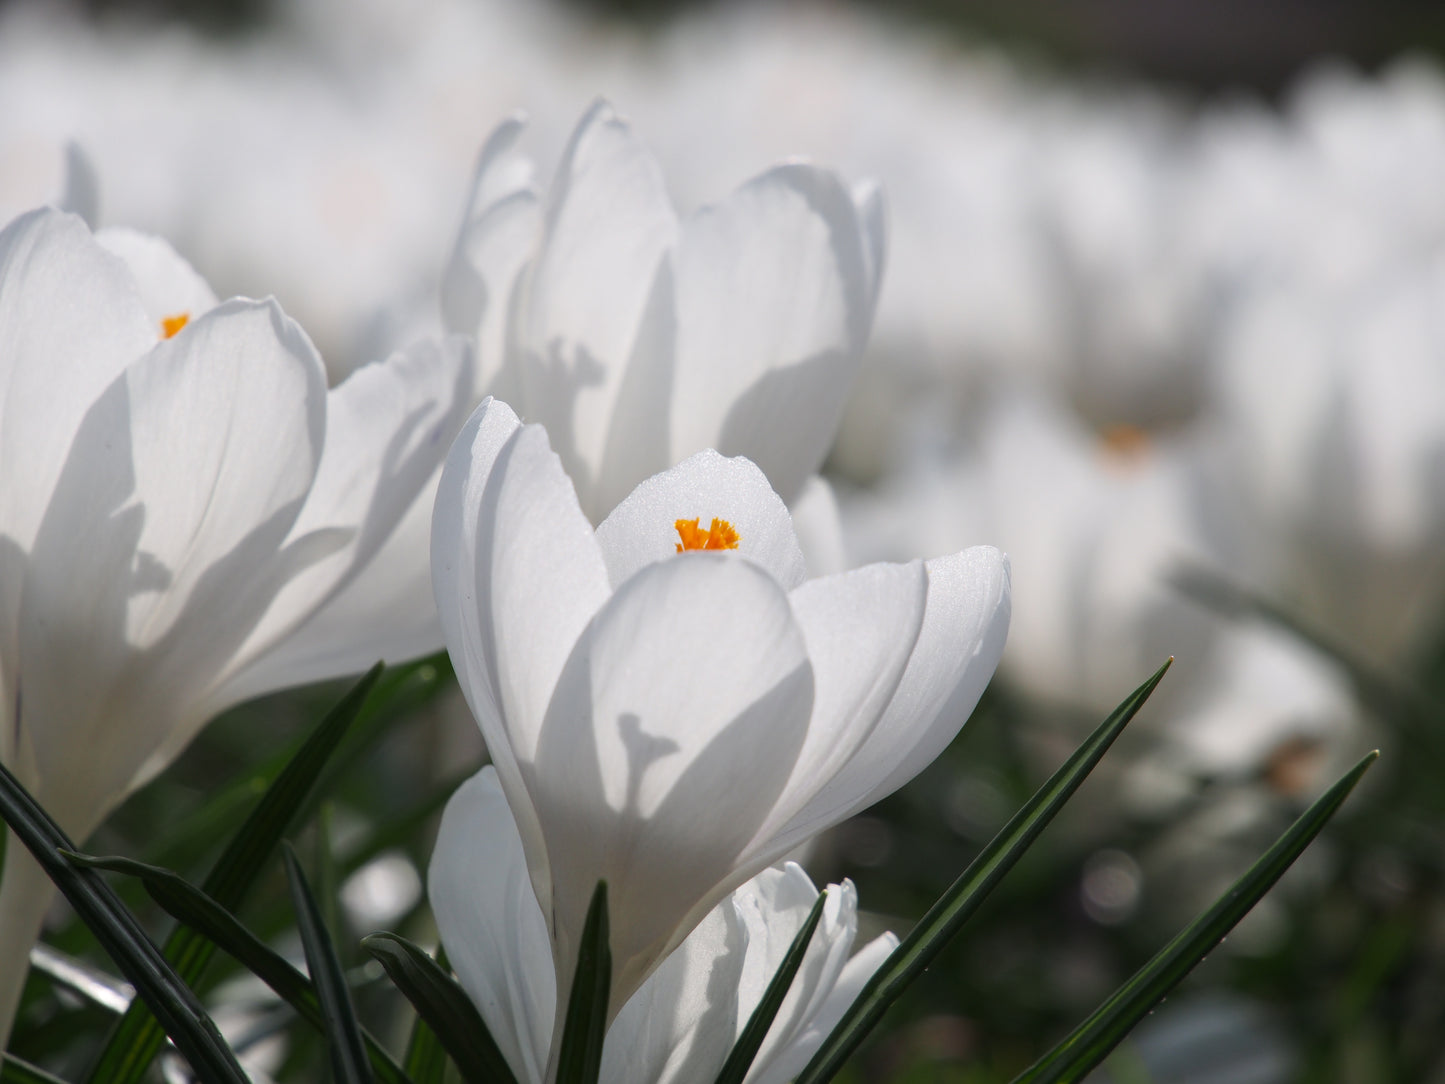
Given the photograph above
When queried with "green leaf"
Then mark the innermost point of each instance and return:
(1089, 1043)
(426, 1059)
(443, 1005)
(740, 1058)
(956, 906)
(120, 935)
(579, 1059)
(135, 1040)
(15, 1071)
(187, 904)
(343, 1032)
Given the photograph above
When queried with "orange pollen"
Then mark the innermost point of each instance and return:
(1125, 440)
(171, 324)
(719, 536)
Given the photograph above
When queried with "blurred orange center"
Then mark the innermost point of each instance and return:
(171, 324)
(1125, 440)
(719, 536)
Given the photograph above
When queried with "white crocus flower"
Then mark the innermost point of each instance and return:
(188, 518)
(683, 1021)
(673, 724)
(638, 338)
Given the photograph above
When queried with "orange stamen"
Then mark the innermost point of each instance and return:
(1124, 440)
(719, 536)
(171, 324)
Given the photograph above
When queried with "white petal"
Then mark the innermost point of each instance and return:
(873, 215)
(819, 528)
(672, 732)
(637, 439)
(641, 530)
(169, 286)
(491, 925)
(608, 223)
(163, 544)
(70, 321)
(774, 299)
(781, 901)
(680, 1024)
(388, 428)
(517, 577)
(788, 1062)
(964, 626)
(861, 628)
(499, 235)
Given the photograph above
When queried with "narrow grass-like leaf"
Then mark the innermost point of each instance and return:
(965, 895)
(15, 1071)
(135, 1040)
(740, 1058)
(120, 935)
(343, 1032)
(426, 1059)
(187, 904)
(443, 1005)
(579, 1058)
(1089, 1043)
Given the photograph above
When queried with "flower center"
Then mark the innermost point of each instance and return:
(719, 536)
(171, 324)
(1125, 441)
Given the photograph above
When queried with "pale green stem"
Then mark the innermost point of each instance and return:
(25, 894)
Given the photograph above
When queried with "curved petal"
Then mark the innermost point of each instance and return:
(672, 732)
(608, 224)
(170, 288)
(491, 925)
(517, 577)
(641, 530)
(388, 427)
(163, 545)
(965, 621)
(776, 904)
(499, 234)
(679, 1026)
(70, 321)
(774, 299)
(786, 1062)
(861, 628)
(873, 214)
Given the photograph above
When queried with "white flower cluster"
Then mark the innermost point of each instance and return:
(1117, 336)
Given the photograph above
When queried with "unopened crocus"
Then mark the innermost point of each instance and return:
(638, 338)
(682, 1022)
(188, 518)
(670, 703)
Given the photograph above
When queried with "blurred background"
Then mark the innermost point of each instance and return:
(1163, 317)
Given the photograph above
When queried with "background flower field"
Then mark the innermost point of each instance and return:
(1164, 324)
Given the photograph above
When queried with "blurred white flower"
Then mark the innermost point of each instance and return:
(638, 339)
(189, 518)
(1334, 403)
(673, 724)
(1093, 524)
(681, 1023)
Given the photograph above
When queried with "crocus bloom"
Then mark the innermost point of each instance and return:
(188, 518)
(670, 722)
(681, 1023)
(638, 339)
